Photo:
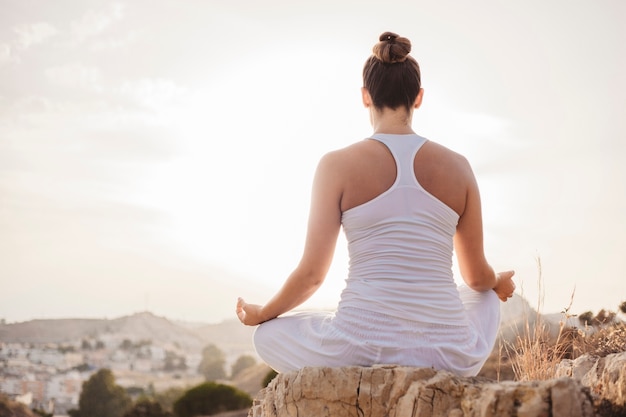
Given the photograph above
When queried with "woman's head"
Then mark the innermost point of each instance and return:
(391, 75)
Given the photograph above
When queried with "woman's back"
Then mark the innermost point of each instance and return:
(400, 242)
(369, 170)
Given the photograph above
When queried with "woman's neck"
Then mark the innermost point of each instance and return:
(397, 122)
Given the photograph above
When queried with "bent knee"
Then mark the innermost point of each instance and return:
(260, 337)
(265, 337)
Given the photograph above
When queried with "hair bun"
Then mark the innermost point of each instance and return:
(392, 48)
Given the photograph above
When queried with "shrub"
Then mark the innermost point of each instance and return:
(147, 408)
(586, 318)
(243, 362)
(211, 398)
(168, 397)
(603, 317)
(212, 364)
(102, 397)
(607, 340)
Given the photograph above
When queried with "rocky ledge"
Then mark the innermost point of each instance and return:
(605, 377)
(583, 388)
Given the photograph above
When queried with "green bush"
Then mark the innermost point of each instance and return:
(211, 398)
(102, 397)
(147, 408)
(212, 364)
(243, 362)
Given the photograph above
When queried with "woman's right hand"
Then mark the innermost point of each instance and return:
(248, 314)
(505, 286)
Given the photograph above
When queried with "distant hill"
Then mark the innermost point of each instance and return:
(140, 326)
(52, 331)
(516, 313)
(518, 317)
(229, 335)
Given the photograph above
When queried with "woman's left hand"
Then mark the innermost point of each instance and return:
(504, 285)
(249, 314)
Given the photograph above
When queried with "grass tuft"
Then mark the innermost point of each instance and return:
(536, 351)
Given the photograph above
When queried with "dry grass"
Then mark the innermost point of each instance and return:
(536, 352)
(606, 340)
(534, 357)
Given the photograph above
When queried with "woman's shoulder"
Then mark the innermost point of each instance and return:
(357, 146)
(352, 152)
(435, 151)
(444, 151)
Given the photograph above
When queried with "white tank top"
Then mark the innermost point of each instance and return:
(400, 247)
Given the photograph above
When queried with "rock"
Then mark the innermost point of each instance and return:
(576, 368)
(605, 377)
(396, 391)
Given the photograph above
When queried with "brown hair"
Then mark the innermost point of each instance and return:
(391, 75)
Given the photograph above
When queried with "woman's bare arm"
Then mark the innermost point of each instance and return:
(468, 244)
(323, 228)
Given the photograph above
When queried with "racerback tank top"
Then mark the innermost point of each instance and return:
(400, 245)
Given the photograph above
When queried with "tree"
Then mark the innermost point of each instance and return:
(622, 307)
(212, 364)
(135, 391)
(603, 317)
(101, 397)
(168, 397)
(585, 318)
(174, 362)
(126, 344)
(147, 408)
(211, 398)
(242, 362)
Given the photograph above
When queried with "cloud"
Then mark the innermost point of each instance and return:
(34, 33)
(152, 92)
(76, 75)
(7, 54)
(93, 23)
(116, 42)
(27, 36)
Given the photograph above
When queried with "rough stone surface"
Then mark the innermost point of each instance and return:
(605, 377)
(394, 391)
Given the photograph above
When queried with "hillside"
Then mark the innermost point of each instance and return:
(229, 335)
(140, 326)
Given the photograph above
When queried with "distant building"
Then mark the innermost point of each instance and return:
(65, 389)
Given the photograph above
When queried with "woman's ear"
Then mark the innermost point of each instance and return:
(418, 99)
(367, 99)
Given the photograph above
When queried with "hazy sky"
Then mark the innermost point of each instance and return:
(159, 154)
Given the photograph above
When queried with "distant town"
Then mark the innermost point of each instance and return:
(49, 375)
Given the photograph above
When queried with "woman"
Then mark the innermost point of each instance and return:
(404, 203)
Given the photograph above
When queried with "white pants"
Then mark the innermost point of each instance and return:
(365, 338)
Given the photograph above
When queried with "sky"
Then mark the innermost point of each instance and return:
(159, 155)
